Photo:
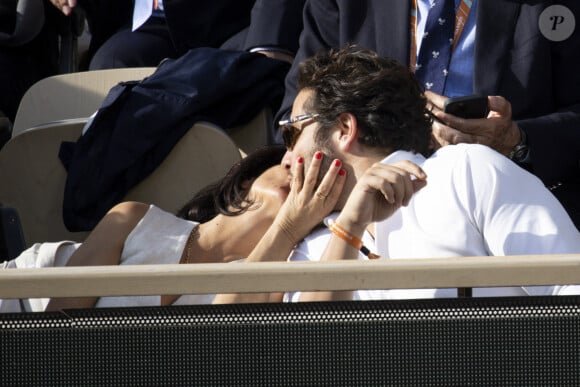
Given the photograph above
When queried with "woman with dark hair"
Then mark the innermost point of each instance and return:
(222, 223)
(228, 196)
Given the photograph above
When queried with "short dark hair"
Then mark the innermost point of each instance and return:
(381, 93)
(229, 195)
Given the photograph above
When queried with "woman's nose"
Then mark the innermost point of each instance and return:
(287, 160)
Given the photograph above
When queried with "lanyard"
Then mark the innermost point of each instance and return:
(460, 20)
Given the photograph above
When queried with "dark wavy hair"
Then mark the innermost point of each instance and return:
(381, 93)
(229, 195)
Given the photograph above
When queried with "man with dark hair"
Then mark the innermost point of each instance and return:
(524, 51)
(375, 89)
(369, 112)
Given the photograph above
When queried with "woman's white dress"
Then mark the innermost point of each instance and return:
(158, 238)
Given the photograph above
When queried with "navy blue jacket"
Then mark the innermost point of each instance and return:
(139, 123)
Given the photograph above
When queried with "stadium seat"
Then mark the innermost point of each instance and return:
(33, 178)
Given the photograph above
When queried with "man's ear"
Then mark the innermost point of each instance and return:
(348, 131)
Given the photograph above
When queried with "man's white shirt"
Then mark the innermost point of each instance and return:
(476, 203)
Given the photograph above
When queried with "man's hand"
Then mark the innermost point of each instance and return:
(497, 131)
(381, 191)
(65, 6)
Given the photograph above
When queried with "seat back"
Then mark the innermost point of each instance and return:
(254, 134)
(32, 178)
(66, 96)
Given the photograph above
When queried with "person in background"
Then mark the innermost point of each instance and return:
(523, 55)
(144, 32)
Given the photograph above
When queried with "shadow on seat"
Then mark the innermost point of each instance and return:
(254, 134)
(33, 178)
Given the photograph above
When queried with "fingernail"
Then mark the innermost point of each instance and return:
(342, 172)
(300, 160)
(337, 163)
(318, 155)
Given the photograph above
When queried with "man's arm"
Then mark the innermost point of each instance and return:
(286, 16)
(558, 131)
(513, 223)
(546, 136)
(514, 212)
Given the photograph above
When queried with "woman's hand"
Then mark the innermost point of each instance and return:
(381, 191)
(306, 206)
(308, 203)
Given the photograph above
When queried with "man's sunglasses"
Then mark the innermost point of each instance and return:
(291, 133)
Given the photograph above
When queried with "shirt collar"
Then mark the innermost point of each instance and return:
(401, 155)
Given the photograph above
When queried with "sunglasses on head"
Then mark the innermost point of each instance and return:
(291, 133)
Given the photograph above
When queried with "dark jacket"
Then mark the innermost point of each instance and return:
(8, 16)
(139, 123)
(239, 24)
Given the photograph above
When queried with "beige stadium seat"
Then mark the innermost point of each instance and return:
(73, 95)
(33, 178)
(80, 94)
(254, 134)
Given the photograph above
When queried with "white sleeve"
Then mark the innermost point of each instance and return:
(513, 210)
(518, 215)
(310, 249)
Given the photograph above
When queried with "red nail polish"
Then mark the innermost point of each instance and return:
(342, 172)
(300, 160)
(318, 155)
(337, 163)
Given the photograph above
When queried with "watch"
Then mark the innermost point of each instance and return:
(520, 152)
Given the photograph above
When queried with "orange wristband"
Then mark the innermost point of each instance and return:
(345, 235)
(351, 239)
